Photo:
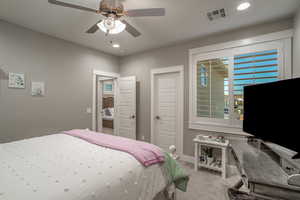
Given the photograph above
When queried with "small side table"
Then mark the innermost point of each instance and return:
(201, 141)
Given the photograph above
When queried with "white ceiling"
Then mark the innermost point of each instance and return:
(185, 19)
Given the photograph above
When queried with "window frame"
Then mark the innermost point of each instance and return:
(281, 41)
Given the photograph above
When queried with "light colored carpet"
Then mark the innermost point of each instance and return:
(207, 185)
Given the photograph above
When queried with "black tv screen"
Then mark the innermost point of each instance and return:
(272, 112)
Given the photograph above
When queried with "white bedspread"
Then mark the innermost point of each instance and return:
(61, 167)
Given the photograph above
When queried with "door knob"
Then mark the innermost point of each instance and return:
(132, 117)
(157, 117)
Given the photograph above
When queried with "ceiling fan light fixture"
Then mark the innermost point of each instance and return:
(113, 11)
(109, 23)
(116, 29)
(115, 45)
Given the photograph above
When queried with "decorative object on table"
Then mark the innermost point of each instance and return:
(16, 80)
(202, 159)
(173, 153)
(206, 148)
(218, 163)
(221, 139)
(208, 155)
(38, 89)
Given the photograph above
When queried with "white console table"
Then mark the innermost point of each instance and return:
(200, 141)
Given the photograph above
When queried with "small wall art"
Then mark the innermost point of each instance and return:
(16, 80)
(38, 89)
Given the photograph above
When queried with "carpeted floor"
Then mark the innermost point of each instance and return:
(207, 185)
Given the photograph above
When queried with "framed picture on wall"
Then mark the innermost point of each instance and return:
(16, 80)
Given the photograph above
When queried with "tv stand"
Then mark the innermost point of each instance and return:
(267, 170)
(289, 163)
(294, 180)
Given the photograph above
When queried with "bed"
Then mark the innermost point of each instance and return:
(108, 117)
(108, 113)
(60, 166)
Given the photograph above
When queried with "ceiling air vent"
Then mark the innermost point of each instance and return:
(216, 14)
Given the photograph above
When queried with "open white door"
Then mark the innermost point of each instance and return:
(126, 107)
(99, 105)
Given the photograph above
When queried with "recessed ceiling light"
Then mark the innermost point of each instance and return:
(115, 45)
(243, 6)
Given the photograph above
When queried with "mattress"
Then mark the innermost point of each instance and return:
(60, 167)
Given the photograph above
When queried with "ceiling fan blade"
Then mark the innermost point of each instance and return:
(146, 12)
(130, 29)
(94, 28)
(69, 5)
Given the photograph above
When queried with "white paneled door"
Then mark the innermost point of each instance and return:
(99, 105)
(126, 107)
(166, 109)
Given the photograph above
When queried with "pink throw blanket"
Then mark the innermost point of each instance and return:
(147, 154)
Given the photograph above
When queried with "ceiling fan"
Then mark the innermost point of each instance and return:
(114, 12)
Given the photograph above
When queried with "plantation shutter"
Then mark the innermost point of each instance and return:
(252, 68)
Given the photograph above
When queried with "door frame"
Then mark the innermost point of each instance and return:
(179, 69)
(94, 104)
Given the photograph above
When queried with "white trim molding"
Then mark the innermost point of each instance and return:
(180, 70)
(218, 128)
(282, 41)
(286, 34)
(104, 73)
(94, 103)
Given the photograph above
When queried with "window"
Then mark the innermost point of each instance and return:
(212, 100)
(203, 75)
(218, 78)
(249, 69)
(108, 87)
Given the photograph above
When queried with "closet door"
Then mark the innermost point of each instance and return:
(126, 107)
(166, 110)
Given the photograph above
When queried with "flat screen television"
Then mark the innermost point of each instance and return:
(272, 112)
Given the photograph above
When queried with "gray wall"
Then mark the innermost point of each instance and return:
(141, 64)
(66, 69)
(296, 46)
